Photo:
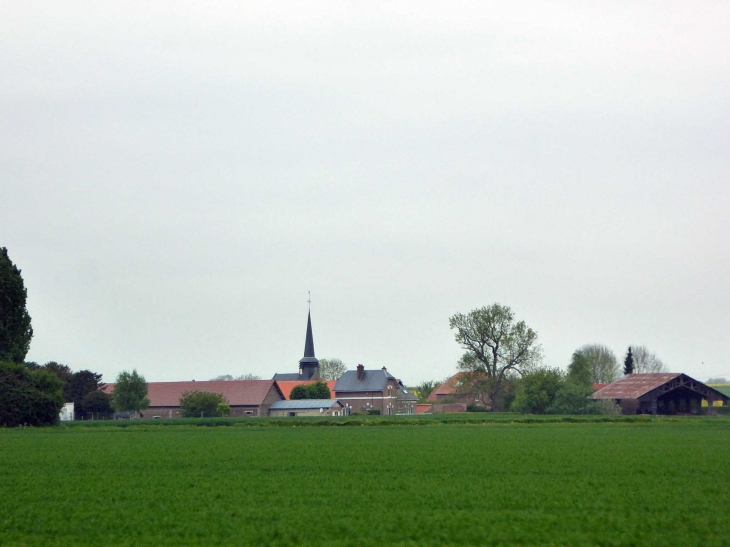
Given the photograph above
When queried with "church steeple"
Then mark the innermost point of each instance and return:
(309, 364)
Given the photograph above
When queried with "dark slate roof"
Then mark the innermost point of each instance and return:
(372, 380)
(405, 395)
(290, 377)
(305, 404)
(309, 358)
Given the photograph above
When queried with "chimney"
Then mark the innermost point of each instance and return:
(385, 369)
(360, 372)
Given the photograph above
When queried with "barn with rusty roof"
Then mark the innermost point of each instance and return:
(660, 393)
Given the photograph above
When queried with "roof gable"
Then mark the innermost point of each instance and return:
(286, 386)
(447, 388)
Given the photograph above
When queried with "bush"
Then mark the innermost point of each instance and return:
(316, 390)
(199, 404)
(29, 397)
(572, 399)
(475, 408)
(537, 390)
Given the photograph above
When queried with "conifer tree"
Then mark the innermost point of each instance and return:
(629, 363)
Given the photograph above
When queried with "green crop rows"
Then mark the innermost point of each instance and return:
(626, 483)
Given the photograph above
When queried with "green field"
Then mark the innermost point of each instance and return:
(648, 482)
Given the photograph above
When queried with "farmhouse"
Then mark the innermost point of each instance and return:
(660, 393)
(308, 407)
(449, 391)
(374, 390)
(246, 397)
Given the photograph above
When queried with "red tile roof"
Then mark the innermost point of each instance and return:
(634, 386)
(287, 385)
(447, 388)
(237, 392)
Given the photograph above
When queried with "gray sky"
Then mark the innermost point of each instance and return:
(176, 176)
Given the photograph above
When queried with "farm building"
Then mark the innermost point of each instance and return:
(286, 386)
(308, 407)
(449, 392)
(374, 390)
(246, 397)
(660, 393)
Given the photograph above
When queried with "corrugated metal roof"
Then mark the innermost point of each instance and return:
(305, 404)
(237, 392)
(634, 386)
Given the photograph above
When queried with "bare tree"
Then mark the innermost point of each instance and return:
(331, 369)
(717, 380)
(604, 365)
(496, 346)
(229, 378)
(646, 361)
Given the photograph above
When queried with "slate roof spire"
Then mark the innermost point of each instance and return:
(309, 364)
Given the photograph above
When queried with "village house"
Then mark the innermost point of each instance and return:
(364, 390)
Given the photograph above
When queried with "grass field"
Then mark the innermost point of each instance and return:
(648, 482)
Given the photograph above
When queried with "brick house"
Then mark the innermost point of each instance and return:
(364, 390)
(246, 397)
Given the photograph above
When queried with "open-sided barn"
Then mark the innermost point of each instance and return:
(660, 393)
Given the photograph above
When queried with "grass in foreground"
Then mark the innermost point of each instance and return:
(641, 483)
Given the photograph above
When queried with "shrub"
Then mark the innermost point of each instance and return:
(29, 397)
(316, 390)
(199, 404)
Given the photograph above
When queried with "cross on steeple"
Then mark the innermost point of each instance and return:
(309, 299)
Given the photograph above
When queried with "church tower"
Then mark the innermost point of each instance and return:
(309, 364)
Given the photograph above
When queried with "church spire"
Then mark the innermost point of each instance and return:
(309, 341)
(309, 364)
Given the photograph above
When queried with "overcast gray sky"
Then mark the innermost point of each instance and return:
(175, 176)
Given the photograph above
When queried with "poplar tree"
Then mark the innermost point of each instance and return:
(15, 329)
(629, 363)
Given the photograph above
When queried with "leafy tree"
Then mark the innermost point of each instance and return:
(629, 363)
(579, 371)
(331, 369)
(572, 398)
(425, 388)
(15, 328)
(96, 402)
(28, 396)
(130, 392)
(537, 390)
(604, 365)
(298, 392)
(80, 385)
(318, 390)
(196, 404)
(496, 346)
(646, 361)
(315, 390)
(224, 409)
(63, 372)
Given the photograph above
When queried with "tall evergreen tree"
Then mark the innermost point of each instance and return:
(15, 328)
(629, 363)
